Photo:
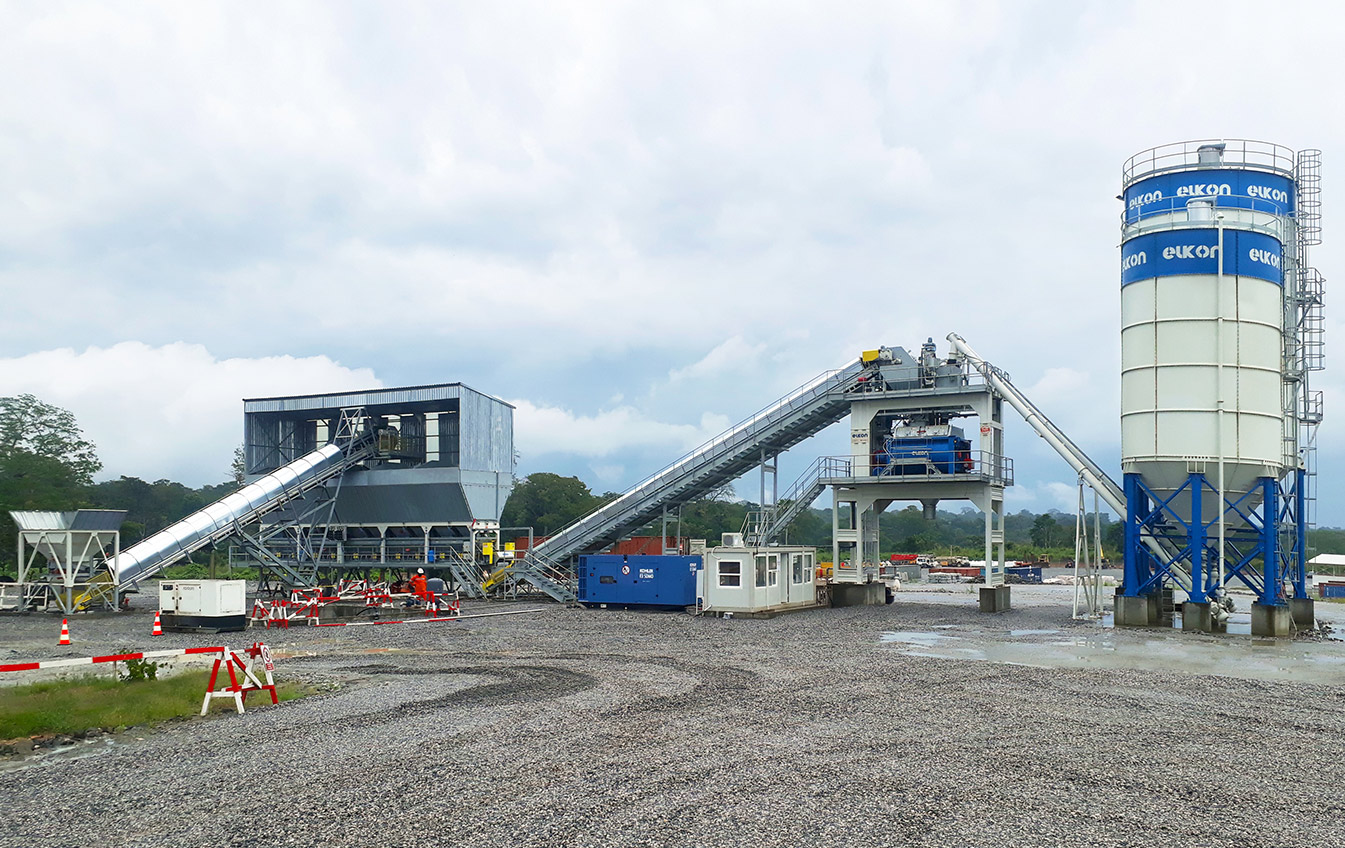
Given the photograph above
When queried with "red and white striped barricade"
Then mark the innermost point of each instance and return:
(109, 658)
(243, 676)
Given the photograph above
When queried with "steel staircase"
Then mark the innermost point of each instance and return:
(465, 575)
(763, 526)
(800, 414)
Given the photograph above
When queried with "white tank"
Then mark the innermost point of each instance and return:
(1203, 237)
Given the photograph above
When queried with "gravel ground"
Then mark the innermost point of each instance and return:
(611, 728)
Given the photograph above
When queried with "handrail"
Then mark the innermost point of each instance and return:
(1184, 155)
(739, 436)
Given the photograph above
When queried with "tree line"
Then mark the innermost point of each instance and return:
(46, 463)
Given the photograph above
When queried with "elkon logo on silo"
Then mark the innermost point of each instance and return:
(1191, 251)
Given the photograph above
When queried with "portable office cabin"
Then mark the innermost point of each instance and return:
(752, 580)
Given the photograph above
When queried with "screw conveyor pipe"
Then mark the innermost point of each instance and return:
(1085, 467)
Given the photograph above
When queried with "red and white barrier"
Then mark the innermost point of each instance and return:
(237, 667)
(305, 605)
(424, 620)
(141, 655)
(243, 673)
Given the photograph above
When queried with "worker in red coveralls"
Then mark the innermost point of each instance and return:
(418, 584)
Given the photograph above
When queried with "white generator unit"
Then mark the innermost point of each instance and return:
(195, 605)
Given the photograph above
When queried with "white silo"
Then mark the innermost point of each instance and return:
(1211, 345)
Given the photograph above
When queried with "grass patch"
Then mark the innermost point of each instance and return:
(82, 704)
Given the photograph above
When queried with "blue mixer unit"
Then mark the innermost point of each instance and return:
(934, 454)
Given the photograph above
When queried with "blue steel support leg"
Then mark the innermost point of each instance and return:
(1270, 535)
(1300, 534)
(1195, 532)
(1136, 505)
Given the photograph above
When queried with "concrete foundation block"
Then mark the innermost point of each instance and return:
(858, 594)
(1197, 618)
(995, 599)
(1271, 620)
(1304, 613)
(1139, 611)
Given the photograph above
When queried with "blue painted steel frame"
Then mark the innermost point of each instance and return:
(1276, 533)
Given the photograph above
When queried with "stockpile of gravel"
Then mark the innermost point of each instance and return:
(610, 728)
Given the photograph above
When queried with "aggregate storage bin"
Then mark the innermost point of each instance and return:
(638, 581)
(214, 605)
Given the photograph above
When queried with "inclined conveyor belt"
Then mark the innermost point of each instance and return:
(803, 413)
(1083, 465)
(223, 517)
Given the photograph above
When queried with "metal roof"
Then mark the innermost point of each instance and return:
(367, 397)
(41, 519)
(98, 519)
(81, 519)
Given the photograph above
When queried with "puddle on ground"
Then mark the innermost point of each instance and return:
(925, 639)
(72, 751)
(1102, 647)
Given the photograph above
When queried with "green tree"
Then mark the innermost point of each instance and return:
(30, 427)
(45, 462)
(1045, 531)
(238, 470)
(547, 502)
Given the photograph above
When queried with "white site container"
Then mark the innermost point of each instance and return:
(203, 604)
(755, 580)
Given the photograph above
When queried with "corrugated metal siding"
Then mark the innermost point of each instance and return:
(373, 397)
(41, 519)
(486, 440)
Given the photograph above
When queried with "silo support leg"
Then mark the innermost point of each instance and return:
(1271, 619)
(1303, 613)
(1196, 617)
(1136, 610)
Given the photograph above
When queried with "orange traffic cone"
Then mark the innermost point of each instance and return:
(65, 632)
(158, 625)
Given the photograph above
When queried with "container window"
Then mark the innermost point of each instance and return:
(761, 571)
(730, 574)
(773, 570)
(798, 568)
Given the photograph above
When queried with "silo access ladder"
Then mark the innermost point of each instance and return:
(804, 412)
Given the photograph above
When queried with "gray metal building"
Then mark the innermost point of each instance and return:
(436, 490)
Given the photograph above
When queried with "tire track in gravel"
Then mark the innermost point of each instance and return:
(711, 682)
(513, 685)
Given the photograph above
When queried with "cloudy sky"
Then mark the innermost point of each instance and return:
(638, 223)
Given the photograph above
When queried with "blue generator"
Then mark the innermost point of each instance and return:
(638, 581)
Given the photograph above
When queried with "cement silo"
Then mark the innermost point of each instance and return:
(1220, 327)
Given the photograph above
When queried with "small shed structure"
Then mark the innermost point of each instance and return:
(759, 580)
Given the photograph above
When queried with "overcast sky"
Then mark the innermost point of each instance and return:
(639, 223)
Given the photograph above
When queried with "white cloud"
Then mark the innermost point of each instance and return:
(733, 355)
(540, 430)
(582, 201)
(1048, 495)
(173, 411)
